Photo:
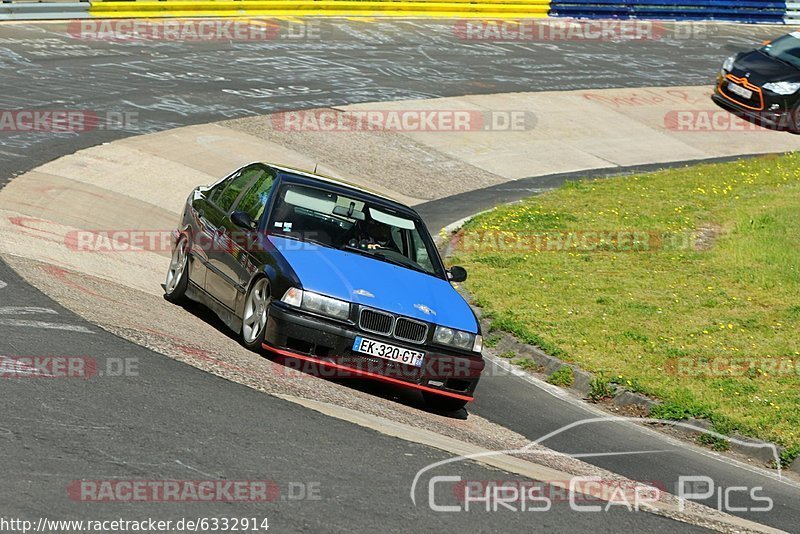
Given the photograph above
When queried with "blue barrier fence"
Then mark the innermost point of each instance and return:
(767, 11)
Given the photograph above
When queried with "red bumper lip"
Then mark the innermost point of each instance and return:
(365, 374)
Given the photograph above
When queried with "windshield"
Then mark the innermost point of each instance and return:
(326, 218)
(786, 49)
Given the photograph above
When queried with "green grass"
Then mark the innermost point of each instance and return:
(491, 341)
(601, 388)
(646, 313)
(527, 364)
(563, 377)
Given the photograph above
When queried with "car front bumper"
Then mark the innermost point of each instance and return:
(325, 348)
(765, 109)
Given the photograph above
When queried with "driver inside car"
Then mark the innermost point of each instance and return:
(375, 235)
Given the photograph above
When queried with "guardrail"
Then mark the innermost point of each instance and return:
(404, 8)
(44, 10)
(766, 11)
(733, 10)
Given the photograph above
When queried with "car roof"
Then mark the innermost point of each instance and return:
(292, 175)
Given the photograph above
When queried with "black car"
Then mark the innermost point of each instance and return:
(344, 280)
(763, 85)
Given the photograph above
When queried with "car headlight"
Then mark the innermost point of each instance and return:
(783, 88)
(314, 302)
(456, 338)
(728, 65)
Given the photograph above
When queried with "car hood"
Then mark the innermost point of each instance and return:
(763, 68)
(355, 278)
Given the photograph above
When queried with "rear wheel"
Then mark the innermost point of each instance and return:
(178, 273)
(254, 319)
(440, 403)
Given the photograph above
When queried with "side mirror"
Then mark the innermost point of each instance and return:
(243, 220)
(457, 274)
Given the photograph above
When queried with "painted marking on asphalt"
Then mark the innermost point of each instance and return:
(15, 367)
(25, 310)
(2, 284)
(679, 444)
(502, 460)
(42, 324)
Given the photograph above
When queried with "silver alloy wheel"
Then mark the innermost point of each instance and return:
(177, 266)
(255, 311)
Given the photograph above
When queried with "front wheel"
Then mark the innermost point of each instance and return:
(254, 320)
(794, 120)
(178, 273)
(440, 403)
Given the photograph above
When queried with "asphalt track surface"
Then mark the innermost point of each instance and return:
(177, 422)
(168, 84)
(174, 422)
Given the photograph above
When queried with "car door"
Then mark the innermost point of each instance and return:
(203, 232)
(221, 278)
(245, 258)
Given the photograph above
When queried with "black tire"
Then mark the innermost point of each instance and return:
(255, 315)
(794, 119)
(440, 403)
(178, 273)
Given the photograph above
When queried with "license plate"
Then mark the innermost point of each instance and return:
(388, 352)
(741, 91)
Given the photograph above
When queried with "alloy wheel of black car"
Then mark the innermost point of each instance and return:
(178, 273)
(254, 318)
(794, 120)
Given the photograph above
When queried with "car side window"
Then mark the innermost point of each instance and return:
(234, 187)
(216, 191)
(420, 252)
(255, 200)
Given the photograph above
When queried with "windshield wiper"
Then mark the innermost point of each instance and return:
(363, 252)
(402, 263)
(377, 254)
